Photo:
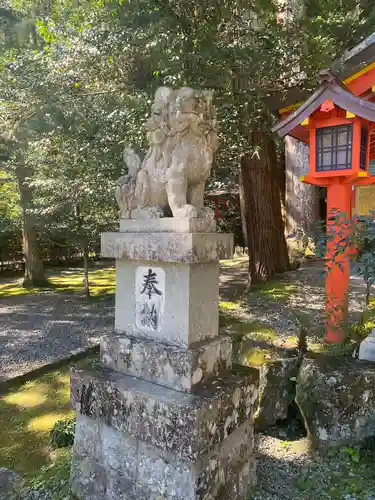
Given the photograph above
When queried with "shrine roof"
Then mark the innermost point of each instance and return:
(332, 90)
(356, 59)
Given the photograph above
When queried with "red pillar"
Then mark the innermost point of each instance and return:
(337, 277)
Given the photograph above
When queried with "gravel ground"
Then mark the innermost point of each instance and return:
(301, 300)
(287, 471)
(38, 329)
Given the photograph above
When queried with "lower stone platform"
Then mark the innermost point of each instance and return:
(110, 465)
(138, 440)
(188, 425)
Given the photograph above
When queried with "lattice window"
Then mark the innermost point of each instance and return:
(334, 148)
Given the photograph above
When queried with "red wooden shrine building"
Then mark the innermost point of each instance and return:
(338, 123)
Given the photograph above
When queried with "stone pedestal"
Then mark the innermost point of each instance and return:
(165, 415)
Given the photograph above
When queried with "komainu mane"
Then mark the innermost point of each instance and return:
(182, 136)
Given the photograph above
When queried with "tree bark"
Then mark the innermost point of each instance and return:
(86, 271)
(262, 202)
(301, 200)
(34, 269)
(243, 207)
(82, 236)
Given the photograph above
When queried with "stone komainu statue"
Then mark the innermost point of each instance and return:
(182, 136)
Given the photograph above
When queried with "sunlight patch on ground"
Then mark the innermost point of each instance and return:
(279, 292)
(256, 356)
(102, 281)
(27, 398)
(247, 329)
(27, 415)
(229, 306)
(236, 262)
(44, 423)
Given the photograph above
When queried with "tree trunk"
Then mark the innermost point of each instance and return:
(243, 208)
(86, 271)
(262, 201)
(301, 200)
(84, 246)
(34, 269)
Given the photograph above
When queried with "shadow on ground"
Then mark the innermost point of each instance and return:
(39, 328)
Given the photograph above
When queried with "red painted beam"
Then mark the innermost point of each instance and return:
(363, 83)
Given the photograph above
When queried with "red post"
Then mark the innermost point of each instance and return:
(338, 274)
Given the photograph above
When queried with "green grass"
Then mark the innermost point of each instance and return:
(275, 290)
(28, 411)
(102, 281)
(230, 319)
(54, 477)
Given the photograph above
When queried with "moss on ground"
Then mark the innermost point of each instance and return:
(55, 476)
(275, 290)
(28, 412)
(102, 281)
(27, 415)
(346, 474)
(256, 356)
(230, 318)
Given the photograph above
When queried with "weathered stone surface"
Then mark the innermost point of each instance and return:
(182, 135)
(164, 419)
(88, 478)
(168, 225)
(185, 424)
(367, 348)
(276, 382)
(177, 368)
(276, 390)
(337, 400)
(228, 469)
(189, 248)
(190, 302)
(9, 482)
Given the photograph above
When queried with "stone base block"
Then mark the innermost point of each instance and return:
(188, 425)
(177, 368)
(188, 248)
(110, 465)
(168, 225)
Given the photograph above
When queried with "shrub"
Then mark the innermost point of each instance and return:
(62, 434)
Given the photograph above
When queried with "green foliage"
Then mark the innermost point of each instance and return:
(9, 203)
(54, 478)
(62, 434)
(352, 453)
(353, 237)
